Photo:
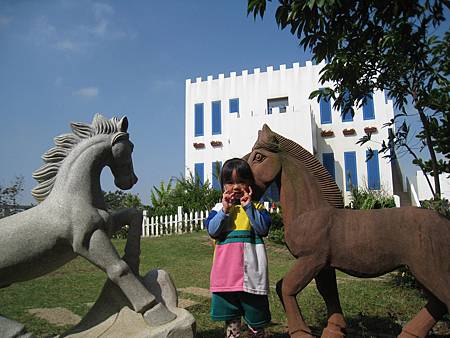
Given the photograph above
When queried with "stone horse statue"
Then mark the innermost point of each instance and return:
(363, 243)
(72, 220)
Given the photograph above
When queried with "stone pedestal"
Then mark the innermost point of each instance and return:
(112, 317)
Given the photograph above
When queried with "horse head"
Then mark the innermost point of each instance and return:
(264, 160)
(121, 162)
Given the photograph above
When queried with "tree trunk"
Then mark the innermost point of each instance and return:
(426, 128)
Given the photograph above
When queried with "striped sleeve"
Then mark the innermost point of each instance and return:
(259, 218)
(215, 222)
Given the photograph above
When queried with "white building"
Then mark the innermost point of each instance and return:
(224, 114)
(423, 189)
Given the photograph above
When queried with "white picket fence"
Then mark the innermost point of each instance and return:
(177, 224)
(173, 224)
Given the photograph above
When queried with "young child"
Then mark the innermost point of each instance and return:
(239, 279)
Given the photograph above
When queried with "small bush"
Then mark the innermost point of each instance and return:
(363, 198)
(276, 233)
(442, 206)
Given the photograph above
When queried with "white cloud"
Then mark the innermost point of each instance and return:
(67, 45)
(102, 9)
(100, 24)
(42, 31)
(87, 92)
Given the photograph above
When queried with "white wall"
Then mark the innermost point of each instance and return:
(300, 123)
(423, 189)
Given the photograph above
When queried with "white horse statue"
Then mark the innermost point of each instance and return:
(71, 218)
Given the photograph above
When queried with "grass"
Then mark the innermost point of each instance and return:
(372, 307)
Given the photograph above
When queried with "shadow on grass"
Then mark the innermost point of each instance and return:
(385, 327)
(214, 333)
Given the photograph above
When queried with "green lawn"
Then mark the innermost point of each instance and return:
(372, 307)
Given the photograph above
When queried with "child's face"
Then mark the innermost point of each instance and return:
(236, 188)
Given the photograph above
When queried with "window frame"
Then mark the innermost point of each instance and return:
(199, 119)
(216, 117)
(350, 162)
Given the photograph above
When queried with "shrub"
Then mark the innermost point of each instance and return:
(363, 198)
(188, 192)
(442, 206)
(276, 233)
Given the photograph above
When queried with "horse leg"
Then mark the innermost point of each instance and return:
(327, 287)
(102, 253)
(419, 326)
(133, 218)
(303, 271)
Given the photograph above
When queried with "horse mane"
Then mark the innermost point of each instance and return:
(327, 184)
(54, 157)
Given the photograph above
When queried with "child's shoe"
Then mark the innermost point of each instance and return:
(255, 333)
(233, 328)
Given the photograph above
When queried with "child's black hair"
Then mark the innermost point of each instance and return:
(243, 172)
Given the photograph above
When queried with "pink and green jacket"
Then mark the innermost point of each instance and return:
(240, 259)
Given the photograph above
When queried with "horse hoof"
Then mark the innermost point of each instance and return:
(158, 315)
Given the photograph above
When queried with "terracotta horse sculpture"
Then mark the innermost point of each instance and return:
(72, 220)
(363, 243)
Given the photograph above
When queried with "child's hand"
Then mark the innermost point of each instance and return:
(227, 200)
(247, 197)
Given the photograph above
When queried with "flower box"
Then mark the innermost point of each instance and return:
(199, 145)
(216, 143)
(349, 132)
(370, 130)
(327, 133)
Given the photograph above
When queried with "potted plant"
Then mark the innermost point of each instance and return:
(370, 130)
(216, 143)
(349, 131)
(199, 145)
(327, 133)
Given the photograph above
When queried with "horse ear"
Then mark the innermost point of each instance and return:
(266, 128)
(123, 124)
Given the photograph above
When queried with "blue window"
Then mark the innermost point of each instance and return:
(328, 163)
(351, 175)
(373, 171)
(280, 102)
(234, 105)
(272, 193)
(368, 109)
(198, 119)
(216, 166)
(216, 118)
(199, 171)
(325, 111)
(346, 113)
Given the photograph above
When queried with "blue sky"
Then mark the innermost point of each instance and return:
(66, 60)
(63, 61)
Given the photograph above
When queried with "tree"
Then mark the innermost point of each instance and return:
(161, 198)
(120, 200)
(381, 45)
(188, 192)
(8, 197)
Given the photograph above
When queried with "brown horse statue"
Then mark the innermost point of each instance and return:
(363, 243)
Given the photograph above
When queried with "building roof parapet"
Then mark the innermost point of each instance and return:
(245, 72)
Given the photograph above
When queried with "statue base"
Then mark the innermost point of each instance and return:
(112, 316)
